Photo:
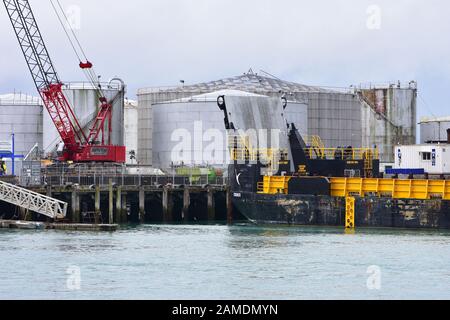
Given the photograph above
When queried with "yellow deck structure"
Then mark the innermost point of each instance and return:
(362, 187)
(350, 188)
(393, 188)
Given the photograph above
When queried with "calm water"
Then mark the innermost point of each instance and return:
(220, 262)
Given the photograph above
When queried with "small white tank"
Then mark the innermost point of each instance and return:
(131, 129)
(22, 115)
(434, 129)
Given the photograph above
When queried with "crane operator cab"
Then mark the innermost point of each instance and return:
(3, 168)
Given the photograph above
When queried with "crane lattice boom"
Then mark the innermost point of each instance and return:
(78, 146)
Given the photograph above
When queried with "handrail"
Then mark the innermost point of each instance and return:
(393, 188)
(343, 153)
(50, 207)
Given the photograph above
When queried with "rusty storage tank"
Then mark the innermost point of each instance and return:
(389, 117)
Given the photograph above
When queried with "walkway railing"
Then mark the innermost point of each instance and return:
(343, 153)
(32, 201)
(123, 176)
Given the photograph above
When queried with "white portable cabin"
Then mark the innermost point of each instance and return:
(431, 158)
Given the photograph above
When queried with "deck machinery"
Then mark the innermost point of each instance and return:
(95, 146)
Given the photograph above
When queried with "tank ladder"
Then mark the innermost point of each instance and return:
(368, 164)
(32, 201)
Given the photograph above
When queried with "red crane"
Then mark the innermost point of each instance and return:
(95, 146)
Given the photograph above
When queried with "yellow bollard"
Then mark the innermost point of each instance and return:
(350, 213)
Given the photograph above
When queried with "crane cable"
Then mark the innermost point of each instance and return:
(89, 73)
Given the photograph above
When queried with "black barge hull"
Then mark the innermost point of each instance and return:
(330, 211)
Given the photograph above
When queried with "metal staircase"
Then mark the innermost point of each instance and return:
(241, 149)
(316, 144)
(368, 164)
(32, 201)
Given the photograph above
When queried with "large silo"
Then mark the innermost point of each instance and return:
(333, 116)
(131, 131)
(83, 98)
(148, 97)
(199, 119)
(389, 117)
(22, 115)
(248, 82)
(341, 117)
(434, 130)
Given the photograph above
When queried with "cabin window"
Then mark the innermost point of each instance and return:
(426, 156)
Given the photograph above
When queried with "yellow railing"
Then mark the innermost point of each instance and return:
(239, 154)
(314, 141)
(316, 144)
(241, 149)
(239, 141)
(259, 154)
(393, 188)
(348, 187)
(274, 185)
(271, 158)
(343, 153)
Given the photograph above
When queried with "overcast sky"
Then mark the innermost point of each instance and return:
(328, 43)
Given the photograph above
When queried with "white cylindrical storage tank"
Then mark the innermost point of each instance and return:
(22, 115)
(83, 99)
(297, 113)
(198, 120)
(434, 129)
(131, 129)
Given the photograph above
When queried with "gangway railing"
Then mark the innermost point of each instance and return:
(47, 206)
(241, 149)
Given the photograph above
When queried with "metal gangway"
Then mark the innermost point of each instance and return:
(32, 201)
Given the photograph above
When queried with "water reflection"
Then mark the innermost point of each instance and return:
(225, 262)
